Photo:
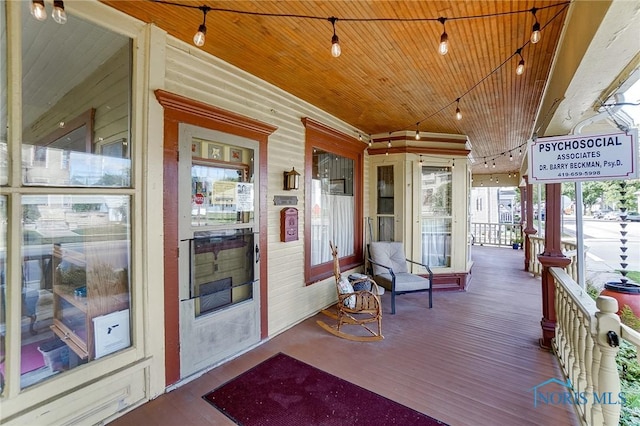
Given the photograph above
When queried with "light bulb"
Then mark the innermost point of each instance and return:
(494, 165)
(535, 33)
(199, 38)
(486, 165)
(389, 144)
(520, 68)
(417, 134)
(386, 153)
(443, 48)
(37, 10)
(510, 157)
(420, 162)
(458, 114)
(58, 14)
(370, 144)
(335, 46)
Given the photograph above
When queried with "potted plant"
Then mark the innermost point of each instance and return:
(516, 243)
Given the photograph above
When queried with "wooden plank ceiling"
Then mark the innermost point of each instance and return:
(390, 75)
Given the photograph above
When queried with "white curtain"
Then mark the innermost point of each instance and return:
(333, 223)
(436, 242)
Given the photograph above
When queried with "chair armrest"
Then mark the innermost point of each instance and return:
(423, 265)
(388, 268)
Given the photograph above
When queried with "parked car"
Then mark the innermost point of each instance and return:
(600, 214)
(613, 215)
(633, 217)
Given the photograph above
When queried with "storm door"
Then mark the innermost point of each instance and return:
(219, 252)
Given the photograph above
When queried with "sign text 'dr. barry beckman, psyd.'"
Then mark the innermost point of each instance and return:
(609, 156)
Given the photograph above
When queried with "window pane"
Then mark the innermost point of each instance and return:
(332, 206)
(436, 216)
(4, 161)
(75, 281)
(75, 104)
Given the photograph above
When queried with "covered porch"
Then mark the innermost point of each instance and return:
(472, 359)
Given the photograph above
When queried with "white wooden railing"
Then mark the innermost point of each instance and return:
(586, 344)
(496, 234)
(569, 248)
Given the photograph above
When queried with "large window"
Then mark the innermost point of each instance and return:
(333, 198)
(436, 216)
(68, 278)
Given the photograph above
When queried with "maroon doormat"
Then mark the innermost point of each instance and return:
(283, 391)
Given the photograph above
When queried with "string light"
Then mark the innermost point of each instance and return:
(335, 41)
(458, 113)
(37, 10)
(510, 156)
(491, 178)
(421, 162)
(485, 164)
(453, 163)
(520, 67)
(199, 37)
(535, 30)
(58, 14)
(370, 143)
(418, 131)
(443, 47)
(494, 164)
(389, 143)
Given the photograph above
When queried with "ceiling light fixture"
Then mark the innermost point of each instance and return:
(535, 30)
(37, 10)
(443, 47)
(335, 41)
(58, 14)
(199, 37)
(458, 113)
(520, 67)
(418, 131)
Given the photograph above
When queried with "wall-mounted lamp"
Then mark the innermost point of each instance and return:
(291, 180)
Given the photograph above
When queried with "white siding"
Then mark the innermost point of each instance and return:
(197, 75)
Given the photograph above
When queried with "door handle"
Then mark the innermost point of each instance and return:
(257, 254)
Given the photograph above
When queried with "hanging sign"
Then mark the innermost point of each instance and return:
(609, 156)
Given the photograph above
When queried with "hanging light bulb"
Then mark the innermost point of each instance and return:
(37, 10)
(535, 30)
(370, 143)
(520, 67)
(199, 37)
(386, 153)
(485, 164)
(58, 14)
(453, 163)
(494, 164)
(421, 162)
(491, 178)
(520, 152)
(510, 156)
(458, 113)
(335, 41)
(443, 47)
(389, 144)
(418, 131)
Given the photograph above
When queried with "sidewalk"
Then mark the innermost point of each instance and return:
(598, 272)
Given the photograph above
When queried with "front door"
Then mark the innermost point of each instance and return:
(219, 251)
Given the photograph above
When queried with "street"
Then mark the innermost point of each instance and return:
(602, 237)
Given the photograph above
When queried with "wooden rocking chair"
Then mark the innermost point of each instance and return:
(354, 308)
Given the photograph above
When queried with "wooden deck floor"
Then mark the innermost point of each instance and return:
(471, 360)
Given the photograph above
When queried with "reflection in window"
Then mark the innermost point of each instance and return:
(223, 272)
(4, 160)
(436, 216)
(332, 205)
(76, 260)
(75, 106)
